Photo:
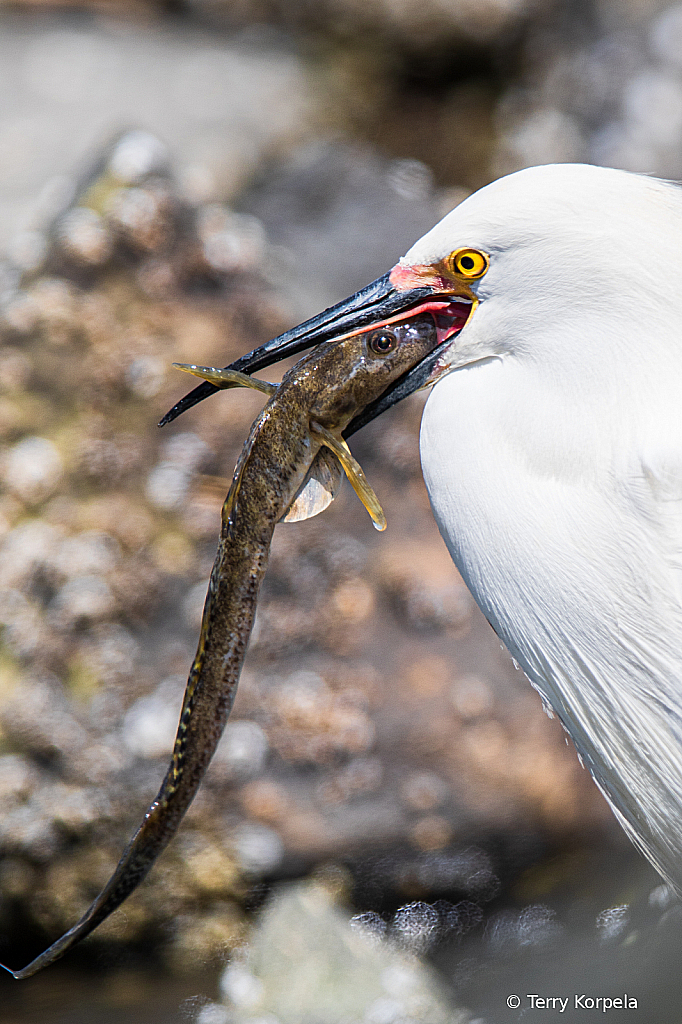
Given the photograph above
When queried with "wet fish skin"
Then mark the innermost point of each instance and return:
(326, 388)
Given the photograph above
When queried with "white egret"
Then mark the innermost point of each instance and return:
(552, 452)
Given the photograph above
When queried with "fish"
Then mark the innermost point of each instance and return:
(289, 469)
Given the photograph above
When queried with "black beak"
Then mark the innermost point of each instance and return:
(374, 303)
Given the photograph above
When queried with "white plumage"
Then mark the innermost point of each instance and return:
(552, 453)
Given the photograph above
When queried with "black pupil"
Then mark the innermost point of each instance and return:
(383, 341)
(467, 262)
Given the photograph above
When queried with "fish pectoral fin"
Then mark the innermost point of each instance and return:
(353, 471)
(228, 378)
(318, 490)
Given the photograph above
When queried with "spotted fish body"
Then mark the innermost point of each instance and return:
(310, 408)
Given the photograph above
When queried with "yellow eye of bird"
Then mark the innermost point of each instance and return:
(470, 263)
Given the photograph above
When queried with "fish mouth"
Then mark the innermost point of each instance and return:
(376, 305)
(450, 316)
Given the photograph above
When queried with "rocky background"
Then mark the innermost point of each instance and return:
(179, 182)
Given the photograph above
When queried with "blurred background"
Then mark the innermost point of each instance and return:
(392, 830)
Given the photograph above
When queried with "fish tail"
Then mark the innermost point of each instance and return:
(208, 699)
(130, 871)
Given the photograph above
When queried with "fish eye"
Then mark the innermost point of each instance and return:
(382, 342)
(469, 263)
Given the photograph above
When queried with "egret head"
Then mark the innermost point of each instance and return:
(533, 258)
(567, 251)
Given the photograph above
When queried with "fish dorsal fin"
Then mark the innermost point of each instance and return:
(318, 490)
(228, 378)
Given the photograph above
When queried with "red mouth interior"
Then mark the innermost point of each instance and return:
(450, 316)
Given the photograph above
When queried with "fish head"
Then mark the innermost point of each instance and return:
(342, 377)
(337, 382)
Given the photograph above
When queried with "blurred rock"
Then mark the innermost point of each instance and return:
(612, 98)
(84, 598)
(167, 485)
(259, 849)
(306, 963)
(415, 926)
(417, 27)
(150, 725)
(508, 931)
(37, 718)
(319, 201)
(83, 237)
(33, 469)
(242, 751)
(612, 922)
(221, 105)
